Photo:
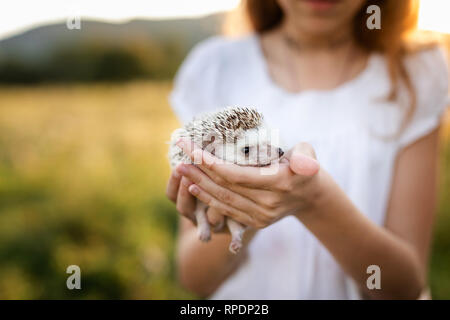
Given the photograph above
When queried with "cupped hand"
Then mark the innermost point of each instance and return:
(255, 197)
(177, 192)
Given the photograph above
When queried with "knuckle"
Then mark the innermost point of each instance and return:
(220, 181)
(185, 183)
(211, 202)
(272, 202)
(285, 186)
(265, 222)
(225, 196)
(184, 192)
(232, 179)
(252, 224)
(228, 212)
(209, 165)
(265, 219)
(197, 178)
(260, 224)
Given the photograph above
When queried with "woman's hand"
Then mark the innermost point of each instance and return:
(251, 195)
(299, 187)
(177, 192)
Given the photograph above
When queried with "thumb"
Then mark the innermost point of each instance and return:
(303, 160)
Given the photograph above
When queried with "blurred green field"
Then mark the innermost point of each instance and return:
(82, 180)
(83, 170)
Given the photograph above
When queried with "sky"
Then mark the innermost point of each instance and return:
(20, 15)
(433, 15)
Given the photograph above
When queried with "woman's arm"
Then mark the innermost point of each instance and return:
(414, 195)
(400, 249)
(202, 267)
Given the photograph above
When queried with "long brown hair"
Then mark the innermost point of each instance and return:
(399, 18)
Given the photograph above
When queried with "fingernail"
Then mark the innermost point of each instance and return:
(176, 175)
(194, 190)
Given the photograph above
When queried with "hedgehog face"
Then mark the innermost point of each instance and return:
(254, 147)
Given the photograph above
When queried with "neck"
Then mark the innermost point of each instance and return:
(307, 61)
(300, 40)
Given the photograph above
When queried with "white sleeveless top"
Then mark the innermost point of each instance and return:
(350, 128)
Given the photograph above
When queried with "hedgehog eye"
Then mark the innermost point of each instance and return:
(245, 150)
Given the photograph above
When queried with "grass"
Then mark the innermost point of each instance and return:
(83, 170)
(82, 179)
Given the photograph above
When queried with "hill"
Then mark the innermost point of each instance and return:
(149, 48)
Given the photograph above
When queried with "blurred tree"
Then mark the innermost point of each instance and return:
(99, 61)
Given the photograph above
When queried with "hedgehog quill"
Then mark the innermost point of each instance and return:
(235, 134)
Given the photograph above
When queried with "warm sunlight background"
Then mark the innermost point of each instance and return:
(84, 120)
(20, 15)
(434, 15)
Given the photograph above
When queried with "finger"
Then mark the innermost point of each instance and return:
(220, 193)
(216, 219)
(173, 185)
(229, 172)
(259, 198)
(186, 203)
(303, 160)
(224, 208)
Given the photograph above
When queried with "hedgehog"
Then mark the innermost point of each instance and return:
(234, 134)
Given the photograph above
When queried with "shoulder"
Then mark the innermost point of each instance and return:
(428, 71)
(431, 56)
(214, 51)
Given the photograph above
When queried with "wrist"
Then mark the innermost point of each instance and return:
(319, 192)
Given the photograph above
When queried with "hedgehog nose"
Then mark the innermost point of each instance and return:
(280, 152)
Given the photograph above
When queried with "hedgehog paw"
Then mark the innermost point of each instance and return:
(204, 235)
(235, 246)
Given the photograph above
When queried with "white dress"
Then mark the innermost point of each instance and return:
(350, 128)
